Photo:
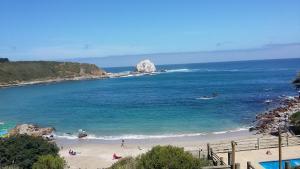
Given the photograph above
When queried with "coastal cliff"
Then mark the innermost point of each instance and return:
(31, 72)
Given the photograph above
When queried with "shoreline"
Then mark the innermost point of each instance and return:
(49, 81)
(108, 75)
(145, 138)
(95, 154)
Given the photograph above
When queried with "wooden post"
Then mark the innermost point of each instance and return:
(200, 153)
(221, 161)
(233, 154)
(211, 153)
(208, 149)
(287, 165)
(279, 148)
(258, 142)
(248, 164)
(229, 158)
(237, 166)
(287, 140)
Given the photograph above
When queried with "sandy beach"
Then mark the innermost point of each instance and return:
(94, 154)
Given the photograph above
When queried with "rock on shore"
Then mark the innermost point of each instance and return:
(145, 66)
(31, 130)
(269, 122)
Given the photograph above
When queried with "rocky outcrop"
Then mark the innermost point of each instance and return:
(31, 130)
(269, 122)
(297, 80)
(145, 66)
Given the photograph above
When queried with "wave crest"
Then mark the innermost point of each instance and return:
(141, 136)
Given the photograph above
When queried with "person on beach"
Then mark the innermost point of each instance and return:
(115, 157)
(122, 143)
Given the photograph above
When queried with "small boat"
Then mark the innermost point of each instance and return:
(214, 95)
(268, 101)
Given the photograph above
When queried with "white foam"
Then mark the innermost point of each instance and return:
(139, 137)
(179, 70)
(230, 131)
(204, 98)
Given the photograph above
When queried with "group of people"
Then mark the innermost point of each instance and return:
(71, 152)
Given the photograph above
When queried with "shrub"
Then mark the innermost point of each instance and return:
(24, 150)
(49, 162)
(295, 120)
(169, 157)
(125, 163)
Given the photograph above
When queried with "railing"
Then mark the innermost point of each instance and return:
(256, 144)
(243, 145)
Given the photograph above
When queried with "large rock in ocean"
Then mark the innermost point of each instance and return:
(31, 130)
(145, 66)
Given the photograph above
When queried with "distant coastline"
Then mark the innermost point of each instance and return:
(38, 72)
(54, 80)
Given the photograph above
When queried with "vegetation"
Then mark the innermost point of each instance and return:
(162, 157)
(295, 120)
(125, 163)
(24, 151)
(49, 162)
(15, 72)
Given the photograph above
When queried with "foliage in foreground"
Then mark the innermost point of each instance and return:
(49, 162)
(125, 163)
(24, 150)
(162, 157)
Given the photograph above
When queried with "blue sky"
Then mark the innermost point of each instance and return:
(64, 29)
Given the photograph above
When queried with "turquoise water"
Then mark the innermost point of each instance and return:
(169, 103)
(275, 164)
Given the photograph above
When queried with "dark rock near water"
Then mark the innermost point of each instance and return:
(31, 130)
(269, 122)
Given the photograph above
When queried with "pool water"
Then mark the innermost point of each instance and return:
(275, 164)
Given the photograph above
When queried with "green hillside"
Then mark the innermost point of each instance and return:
(16, 72)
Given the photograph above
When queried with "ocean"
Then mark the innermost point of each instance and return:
(184, 100)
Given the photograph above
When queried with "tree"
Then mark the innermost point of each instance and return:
(49, 162)
(24, 150)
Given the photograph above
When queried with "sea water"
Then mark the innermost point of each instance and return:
(186, 99)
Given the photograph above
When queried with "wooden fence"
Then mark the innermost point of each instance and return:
(256, 144)
(242, 145)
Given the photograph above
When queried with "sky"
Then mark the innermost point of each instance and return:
(66, 29)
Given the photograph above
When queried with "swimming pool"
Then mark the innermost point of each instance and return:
(275, 164)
